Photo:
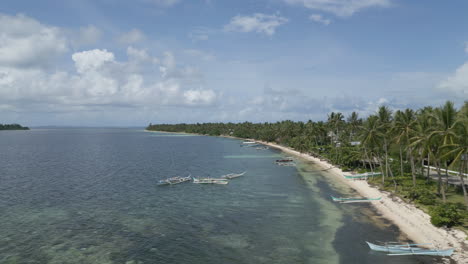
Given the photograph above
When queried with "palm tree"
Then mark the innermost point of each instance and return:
(370, 139)
(443, 135)
(404, 129)
(459, 147)
(385, 120)
(354, 123)
(421, 138)
(336, 122)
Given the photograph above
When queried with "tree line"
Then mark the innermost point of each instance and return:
(399, 144)
(12, 127)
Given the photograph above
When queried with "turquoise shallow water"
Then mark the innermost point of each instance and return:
(90, 196)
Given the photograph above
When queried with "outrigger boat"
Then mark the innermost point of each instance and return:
(287, 164)
(362, 175)
(288, 161)
(355, 199)
(249, 143)
(210, 181)
(233, 175)
(395, 249)
(262, 148)
(174, 180)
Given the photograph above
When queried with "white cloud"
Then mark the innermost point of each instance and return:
(199, 97)
(466, 47)
(24, 42)
(456, 84)
(91, 60)
(103, 82)
(341, 8)
(133, 36)
(320, 19)
(260, 23)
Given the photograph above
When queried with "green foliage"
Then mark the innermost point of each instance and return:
(382, 140)
(446, 215)
(12, 127)
(423, 195)
(395, 166)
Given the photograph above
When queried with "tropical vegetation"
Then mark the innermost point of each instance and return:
(400, 144)
(12, 127)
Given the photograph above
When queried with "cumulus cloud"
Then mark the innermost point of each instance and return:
(341, 8)
(91, 60)
(131, 37)
(456, 84)
(320, 19)
(199, 97)
(260, 23)
(100, 80)
(24, 42)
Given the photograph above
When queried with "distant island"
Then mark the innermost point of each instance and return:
(12, 127)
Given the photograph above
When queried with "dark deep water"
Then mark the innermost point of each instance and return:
(90, 196)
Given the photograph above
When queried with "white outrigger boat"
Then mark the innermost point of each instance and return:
(395, 249)
(354, 199)
(210, 181)
(249, 143)
(262, 148)
(233, 175)
(362, 176)
(175, 180)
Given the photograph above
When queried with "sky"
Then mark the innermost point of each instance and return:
(131, 63)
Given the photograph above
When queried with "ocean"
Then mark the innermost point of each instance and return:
(90, 195)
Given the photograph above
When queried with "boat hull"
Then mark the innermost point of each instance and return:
(211, 181)
(174, 180)
(402, 250)
(339, 199)
(233, 175)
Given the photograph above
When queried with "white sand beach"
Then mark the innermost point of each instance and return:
(412, 221)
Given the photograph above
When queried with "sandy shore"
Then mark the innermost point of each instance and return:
(412, 221)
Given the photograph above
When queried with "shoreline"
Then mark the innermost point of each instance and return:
(412, 221)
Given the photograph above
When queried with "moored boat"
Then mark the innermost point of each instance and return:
(287, 161)
(287, 164)
(174, 180)
(354, 199)
(233, 175)
(409, 249)
(284, 160)
(426, 252)
(362, 175)
(210, 181)
(249, 143)
(262, 148)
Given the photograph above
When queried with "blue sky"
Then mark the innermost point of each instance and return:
(128, 63)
